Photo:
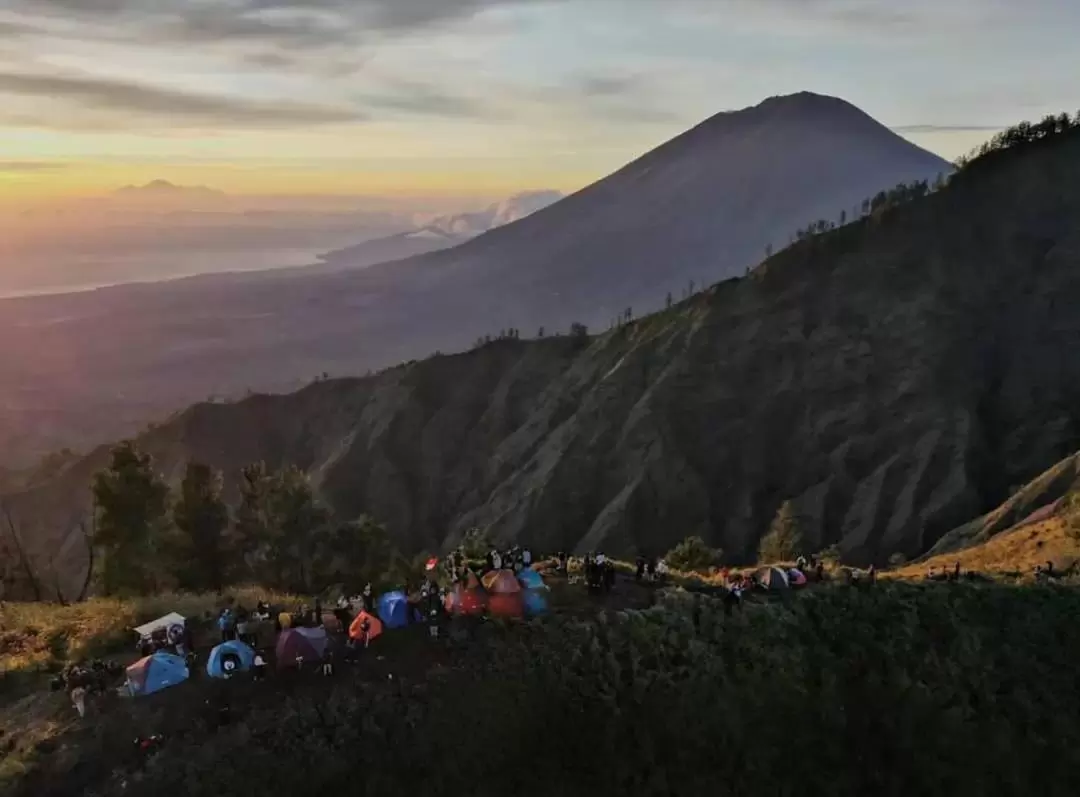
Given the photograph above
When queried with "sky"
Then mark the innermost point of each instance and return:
(480, 97)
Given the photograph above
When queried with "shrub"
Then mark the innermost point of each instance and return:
(974, 684)
(693, 554)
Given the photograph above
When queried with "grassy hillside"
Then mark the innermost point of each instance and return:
(897, 690)
(893, 379)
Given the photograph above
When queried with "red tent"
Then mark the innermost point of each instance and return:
(356, 629)
(506, 604)
(501, 582)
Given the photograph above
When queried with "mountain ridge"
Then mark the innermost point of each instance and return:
(697, 214)
(861, 374)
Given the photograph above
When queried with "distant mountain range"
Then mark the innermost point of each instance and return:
(87, 367)
(891, 379)
(441, 232)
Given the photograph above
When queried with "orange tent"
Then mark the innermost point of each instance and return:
(356, 629)
(506, 604)
(501, 582)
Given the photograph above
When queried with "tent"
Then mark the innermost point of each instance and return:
(506, 604)
(530, 579)
(463, 600)
(229, 658)
(295, 644)
(796, 577)
(165, 623)
(356, 629)
(535, 602)
(772, 578)
(156, 672)
(394, 609)
(501, 582)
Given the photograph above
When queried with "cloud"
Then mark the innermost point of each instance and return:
(24, 167)
(180, 106)
(415, 97)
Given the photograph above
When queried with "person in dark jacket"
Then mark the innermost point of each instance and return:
(639, 574)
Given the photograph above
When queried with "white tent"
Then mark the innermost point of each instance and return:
(170, 619)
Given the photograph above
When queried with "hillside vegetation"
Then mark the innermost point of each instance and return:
(891, 379)
(895, 690)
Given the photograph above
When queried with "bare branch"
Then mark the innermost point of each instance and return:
(31, 577)
(88, 537)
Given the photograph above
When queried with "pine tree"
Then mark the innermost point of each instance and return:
(784, 541)
(199, 551)
(130, 502)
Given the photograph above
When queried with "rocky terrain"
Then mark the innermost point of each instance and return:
(894, 378)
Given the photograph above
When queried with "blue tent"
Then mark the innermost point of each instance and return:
(394, 609)
(230, 658)
(156, 672)
(530, 579)
(536, 602)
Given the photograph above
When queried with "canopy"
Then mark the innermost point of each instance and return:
(535, 602)
(356, 629)
(501, 582)
(230, 658)
(466, 601)
(154, 673)
(772, 578)
(506, 604)
(147, 629)
(530, 579)
(394, 609)
(295, 644)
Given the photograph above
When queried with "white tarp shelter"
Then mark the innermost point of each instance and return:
(170, 619)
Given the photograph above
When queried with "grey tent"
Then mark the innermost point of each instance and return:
(772, 578)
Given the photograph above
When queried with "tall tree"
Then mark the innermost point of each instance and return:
(298, 524)
(356, 553)
(130, 502)
(784, 540)
(199, 550)
(252, 531)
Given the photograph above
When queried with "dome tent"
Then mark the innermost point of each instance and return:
(155, 673)
(229, 659)
(300, 644)
(535, 602)
(772, 578)
(530, 579)
(462, 600)
(501, 582)
(356, 628)
(394, 609)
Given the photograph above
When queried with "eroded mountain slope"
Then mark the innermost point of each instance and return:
(894, 378)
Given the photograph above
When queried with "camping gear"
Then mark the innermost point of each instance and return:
(229, 659)
(501, 582)
(530, 579)
(295, 644)
(772, 578)
(506, 604)
(165, 624)
(796, 578)
(534, 602)
(356, 629)
(394, 609)
(463, 600)
(155, 673)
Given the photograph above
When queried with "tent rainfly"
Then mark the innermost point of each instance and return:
(147, 629)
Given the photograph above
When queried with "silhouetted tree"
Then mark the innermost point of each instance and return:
(130, 502)
(784, 541)
(199, 554)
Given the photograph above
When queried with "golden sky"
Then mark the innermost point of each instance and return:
(479, 97)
